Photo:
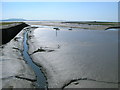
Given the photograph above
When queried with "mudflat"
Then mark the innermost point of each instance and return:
(76, 58)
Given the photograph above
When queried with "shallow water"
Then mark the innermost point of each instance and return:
(92, 44)
(113, 29)
(78, 53)
(41, 80)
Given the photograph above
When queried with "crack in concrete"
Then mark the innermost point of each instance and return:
(88, 79)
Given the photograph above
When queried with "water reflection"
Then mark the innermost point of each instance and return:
(113, 29)
(56, 33)
(84, 53)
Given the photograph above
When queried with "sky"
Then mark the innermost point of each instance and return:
(74, 11)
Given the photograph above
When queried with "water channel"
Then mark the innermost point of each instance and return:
(41, 80)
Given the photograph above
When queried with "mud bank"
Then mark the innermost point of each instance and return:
(10, 31)
(113, 28)
(15, 72)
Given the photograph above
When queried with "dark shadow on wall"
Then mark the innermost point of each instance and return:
(11, 32)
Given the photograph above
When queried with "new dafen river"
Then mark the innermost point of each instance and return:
(41, 80)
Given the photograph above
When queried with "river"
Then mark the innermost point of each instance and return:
(41, 80)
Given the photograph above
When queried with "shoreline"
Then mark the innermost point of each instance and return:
(78, 25)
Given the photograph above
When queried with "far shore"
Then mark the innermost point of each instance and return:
(93, 25)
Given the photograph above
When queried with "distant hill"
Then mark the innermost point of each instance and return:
(13, 19)
(17, 19)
